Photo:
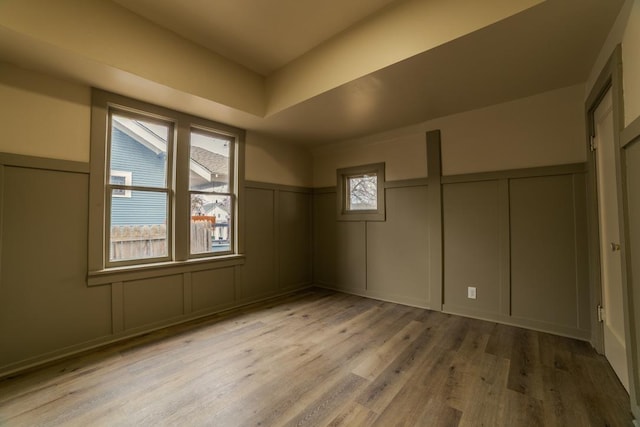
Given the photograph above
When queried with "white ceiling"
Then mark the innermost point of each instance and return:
(262, 35)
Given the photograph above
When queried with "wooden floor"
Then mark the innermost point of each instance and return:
(320, 358)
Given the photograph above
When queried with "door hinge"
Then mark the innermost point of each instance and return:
(592, 143)
(600, 313)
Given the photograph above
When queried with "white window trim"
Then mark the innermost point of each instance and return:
(100, 271)
(342, 179)
(127, 181)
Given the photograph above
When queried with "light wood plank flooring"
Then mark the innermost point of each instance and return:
(320, 358)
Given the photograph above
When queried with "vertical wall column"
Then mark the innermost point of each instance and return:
(434, 206)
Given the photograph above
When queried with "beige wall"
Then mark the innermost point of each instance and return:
(405, 155)
(277, 162)
(42, 116)
(541, 130)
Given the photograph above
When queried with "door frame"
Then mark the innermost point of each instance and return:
(610, 78)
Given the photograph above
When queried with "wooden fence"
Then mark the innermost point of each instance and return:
(150, 241)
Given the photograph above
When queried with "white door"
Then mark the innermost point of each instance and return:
(611, 265)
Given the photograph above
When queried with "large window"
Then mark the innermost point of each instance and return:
(164, 185)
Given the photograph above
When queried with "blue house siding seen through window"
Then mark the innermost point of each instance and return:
(147, 169)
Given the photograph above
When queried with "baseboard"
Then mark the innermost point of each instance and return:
(533, 325)
(396, 299)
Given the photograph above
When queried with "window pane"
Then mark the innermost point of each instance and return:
(138, 226)
(209, 165)
(140, 148)
(362, 192)
(211, 223)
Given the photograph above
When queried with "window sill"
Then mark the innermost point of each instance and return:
(136, 272)
(361, 216)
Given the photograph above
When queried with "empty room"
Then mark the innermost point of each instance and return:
(320, 213)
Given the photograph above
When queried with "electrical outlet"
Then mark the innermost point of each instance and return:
(471, 292)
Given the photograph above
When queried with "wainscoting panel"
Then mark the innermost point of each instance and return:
(324, 239)
(294, 239)
(545, 256)
(351, 256)
(339, 247)
(259, 271)
(398, 247)
(45, 304)
(47, 309)
(632, 160)
(152, 301)
(518, 237)
(472, 246)
(211, 289)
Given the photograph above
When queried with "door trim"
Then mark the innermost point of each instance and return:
(610, 78)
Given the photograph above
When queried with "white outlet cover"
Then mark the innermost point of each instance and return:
(471, 292)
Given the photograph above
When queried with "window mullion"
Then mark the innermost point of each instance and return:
(182, 196)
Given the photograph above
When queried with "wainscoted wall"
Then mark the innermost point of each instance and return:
(46, 308)
(277, 239)
(385, 260)
(45, 304)
(630, 158)
(518, 236)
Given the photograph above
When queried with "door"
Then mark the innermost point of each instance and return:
(610, 258)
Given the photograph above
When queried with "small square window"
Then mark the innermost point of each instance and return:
(361, 193)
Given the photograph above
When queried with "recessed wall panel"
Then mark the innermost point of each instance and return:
(397, 249)
(151, 301)
(212, 288)
(350, 256)
(324, 238)
(45, 304)
(294, 239)
(472, 246)
(543, 251)
(259, 271)
(632, 157)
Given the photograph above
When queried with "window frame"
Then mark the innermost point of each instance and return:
(165, 189)
(100, 269)
(342, 178)
(231, 190)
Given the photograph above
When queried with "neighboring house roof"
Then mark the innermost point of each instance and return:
(140, 133)
(214, 162)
